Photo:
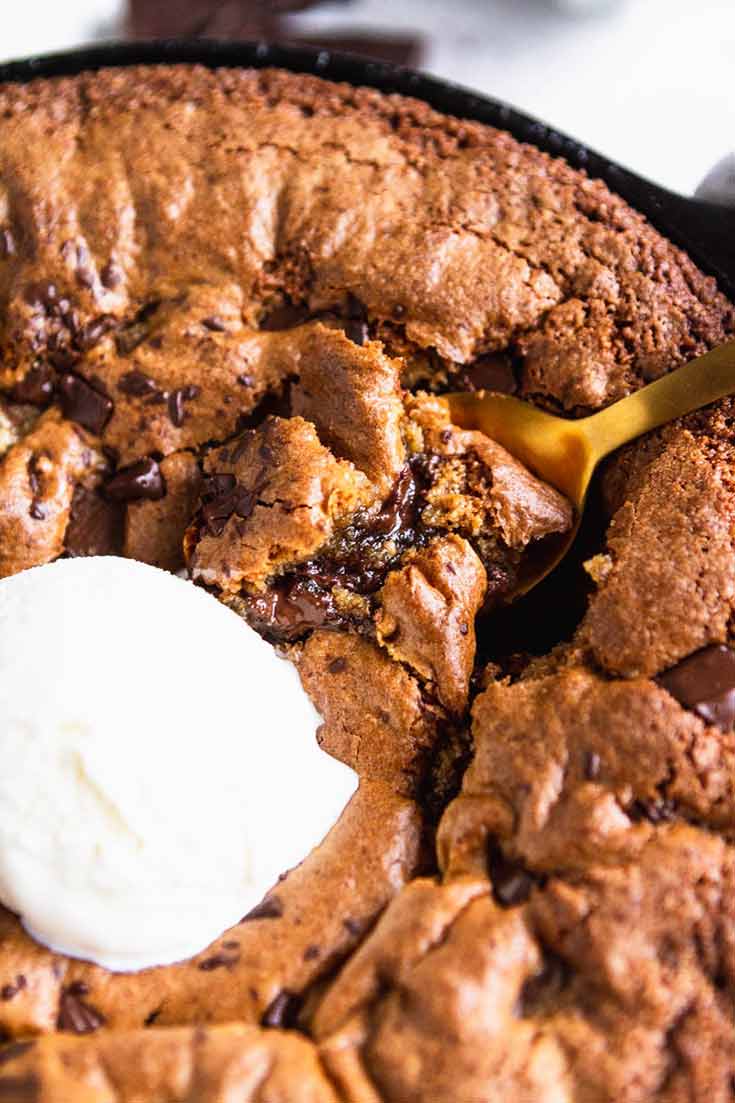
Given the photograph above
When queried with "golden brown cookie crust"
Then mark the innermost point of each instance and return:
(238, 293)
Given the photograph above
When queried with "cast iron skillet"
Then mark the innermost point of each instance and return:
(706, 231)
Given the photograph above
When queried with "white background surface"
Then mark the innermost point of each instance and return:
(651, 83)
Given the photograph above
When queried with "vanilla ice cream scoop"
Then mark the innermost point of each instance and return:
(160, 765)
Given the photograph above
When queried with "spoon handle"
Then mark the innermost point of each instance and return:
(690, 387)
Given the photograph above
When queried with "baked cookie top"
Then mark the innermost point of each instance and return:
(230, 302)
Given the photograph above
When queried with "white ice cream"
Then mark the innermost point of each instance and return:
(159, 763)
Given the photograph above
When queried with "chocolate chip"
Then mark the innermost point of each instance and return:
(464, 629)
(14, 1050)
(705, 683)
(142, 479)
(511, 883)
(37, 387)
(357, 331)
(78, 988)
(176, 402)
(540, 991)
(94, 331)
(134, 332)
(111, 276)
(223, 497)
(76, 1015)
(355, 927)
(655, 811)
(37, 512)
(84, 404)
(270, 908)
(7, 244)
(287, 316)
(96, 526)
(245, 380)
(8, 991)
(215, 324)
(136, 384)
(311, 953)
(489, 373)
(291, 608)
(592, 765)
(282, 1011)
(337, 666)
(218, 961)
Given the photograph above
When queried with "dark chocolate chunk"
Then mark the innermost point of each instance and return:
(489, 373)
(311, 953)
(511, 883)
(96, 525)
(223, 496)
(83, 403)
(176, 401)
(142, 479)
(705, 683)
(218, 961)
(282, 1011)
(111, 276)
(37, 512)
(540, 991)
(94, 331)
(9, 990)
(655, 811)
(78, 988)
(270, 908)
(134, 332)
(37, 387)
(355, 927)
(77, 1016)
(592, 765)
(357, 331)
(137, 384)
(7, 244)
(287, 316)
(337, 666)
(215, 324)
(291, 608)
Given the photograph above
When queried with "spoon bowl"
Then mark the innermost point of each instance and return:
(565, 452)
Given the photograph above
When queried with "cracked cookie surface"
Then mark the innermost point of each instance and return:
(229, 303)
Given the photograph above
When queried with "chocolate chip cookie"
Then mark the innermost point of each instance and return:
(230, 303)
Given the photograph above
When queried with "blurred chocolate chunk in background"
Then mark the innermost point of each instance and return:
(272, 20)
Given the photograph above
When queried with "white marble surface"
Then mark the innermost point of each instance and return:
(648, 82)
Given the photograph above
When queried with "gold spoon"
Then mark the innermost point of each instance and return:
(565, 453)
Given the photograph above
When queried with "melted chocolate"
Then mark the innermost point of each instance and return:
(705, 683)
(142, 479)
(358, 560)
